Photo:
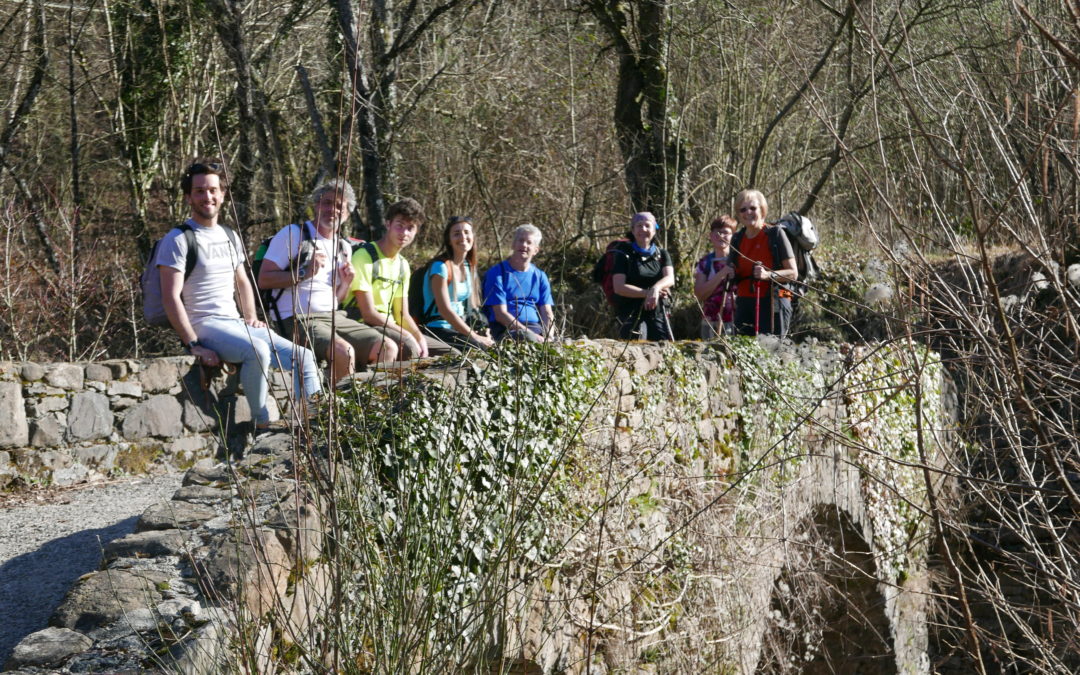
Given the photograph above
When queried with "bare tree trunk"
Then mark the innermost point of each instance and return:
(362, 116)
(654, 160)
(22, 111)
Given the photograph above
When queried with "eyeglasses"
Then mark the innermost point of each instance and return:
(454, 220)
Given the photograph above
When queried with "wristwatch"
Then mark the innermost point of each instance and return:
(192, 345)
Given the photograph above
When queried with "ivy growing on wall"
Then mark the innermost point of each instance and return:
(455, 482)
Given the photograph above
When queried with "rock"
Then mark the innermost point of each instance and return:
(310, 600)
(160, 375)
(251, 564)
(199, 493)
(196, 419)
(47, 647)
(170, 610)
(299, 528)
(182, 515)
(32, 372)
(97, 372)
(188, 445)
(278, 445)
(158, 416)
(118, 368)
(207, 472)
(125, 388)
(70, 474)
(102, 597)
(208, 650)
(64, 376)
(46, 404)
(99, 457)
(48, 432)
(89, 417)
(14, 432)
(150, 544)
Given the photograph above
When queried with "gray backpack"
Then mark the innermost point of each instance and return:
(803, 236)
(150, 279)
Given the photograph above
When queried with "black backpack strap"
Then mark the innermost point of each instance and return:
(733, 256)
(777, 237)
(192, 248)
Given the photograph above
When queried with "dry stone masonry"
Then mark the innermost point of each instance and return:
(66, 423)
(692, 552)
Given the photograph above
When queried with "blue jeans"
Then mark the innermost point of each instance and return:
(253, 348)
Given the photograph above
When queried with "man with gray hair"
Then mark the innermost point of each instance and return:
(310, 265)
(517, 294)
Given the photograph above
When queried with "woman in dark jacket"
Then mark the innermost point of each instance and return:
(642, 277)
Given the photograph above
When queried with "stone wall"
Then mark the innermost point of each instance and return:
(70, 422)
(685, 568)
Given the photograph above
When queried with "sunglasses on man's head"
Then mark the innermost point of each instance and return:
(200, 167)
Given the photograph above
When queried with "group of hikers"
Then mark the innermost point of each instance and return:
(349, 303)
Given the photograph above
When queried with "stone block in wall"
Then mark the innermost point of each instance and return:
(46, 647)
(32, 372)
(42, 389)
(174, 515)
(7, 470)
(41, 405)
(48, 431)
(299, 528)
(252, 567)
(198, 420)
(97, 372)
(89, 417)
(14, 431)
(8, 370)
(637, 360)
(160, 375)
(99, 598)
(149, 544)
(311, 599)
(118, 368)
(734, 388)
(98, 457)
(62, 469)
(64, 376)
(207, 472)
(125, 388)
(186, 449)
(157, 416)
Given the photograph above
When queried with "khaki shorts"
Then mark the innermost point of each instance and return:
(317, 329)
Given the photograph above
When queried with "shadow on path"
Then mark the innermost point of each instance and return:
(33, 584)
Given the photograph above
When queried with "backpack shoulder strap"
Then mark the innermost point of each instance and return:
(372, 251)
(192, 248)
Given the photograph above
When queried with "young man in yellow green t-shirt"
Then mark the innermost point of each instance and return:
(380, 286)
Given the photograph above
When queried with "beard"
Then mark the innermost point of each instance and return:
(206, 211)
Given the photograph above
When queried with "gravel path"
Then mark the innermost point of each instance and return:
(50, 538)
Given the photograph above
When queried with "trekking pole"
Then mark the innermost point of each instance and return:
(757, 307)
(667, 319)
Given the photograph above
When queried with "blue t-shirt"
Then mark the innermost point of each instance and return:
(521, 292)
(464, 288)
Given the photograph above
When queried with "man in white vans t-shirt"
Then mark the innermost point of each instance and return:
(202, 307)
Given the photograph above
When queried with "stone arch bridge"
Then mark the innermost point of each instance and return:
(750, 507)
